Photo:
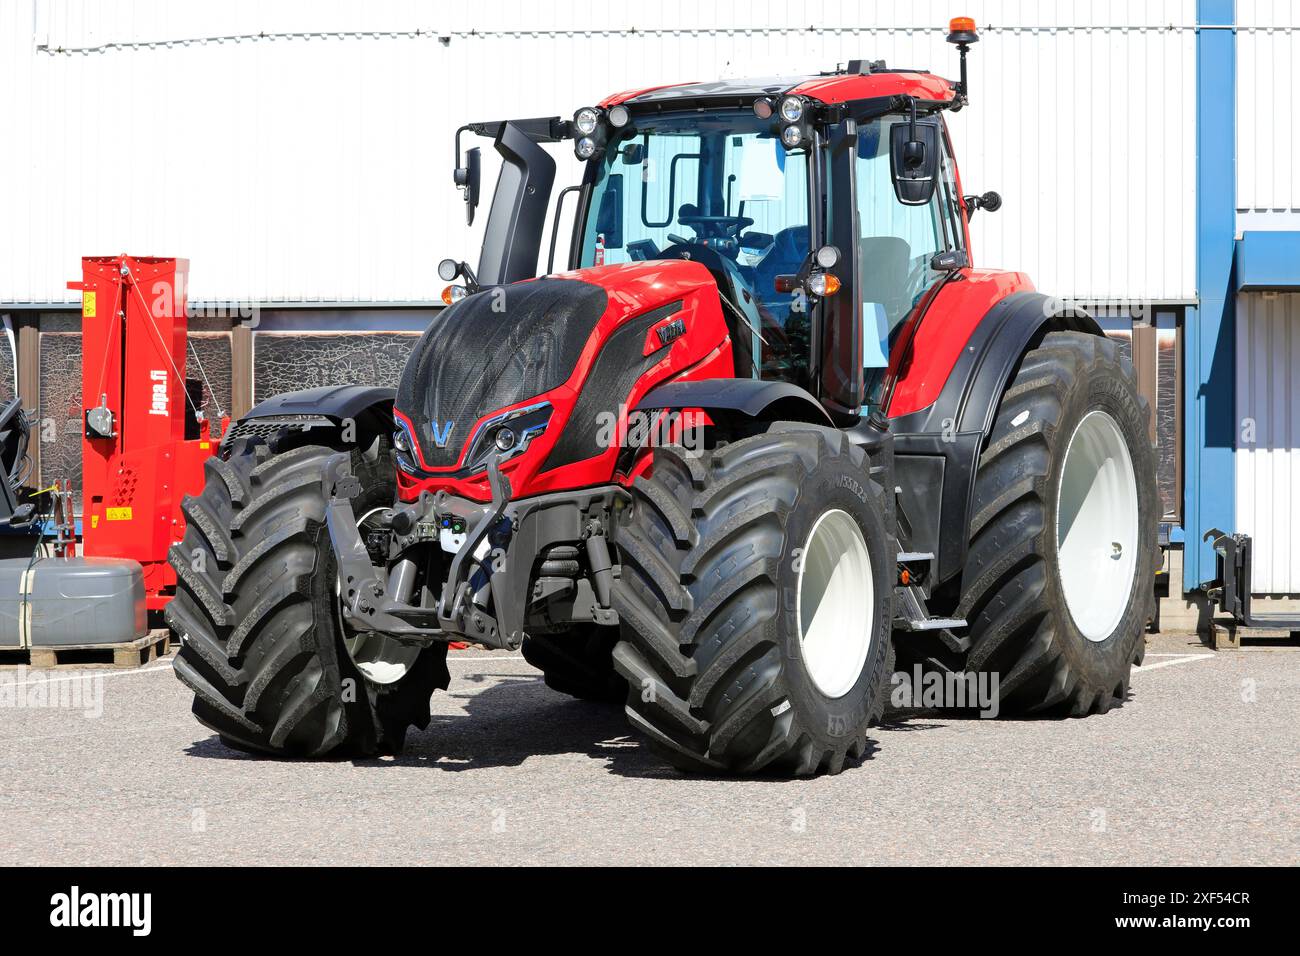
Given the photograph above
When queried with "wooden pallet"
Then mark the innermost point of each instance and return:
(135, 653)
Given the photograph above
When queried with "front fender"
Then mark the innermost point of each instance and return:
(319, 416)
(744, 397)
(332, 401)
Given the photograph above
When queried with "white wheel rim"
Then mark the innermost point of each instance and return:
(835, 603)
(380, 659)
(1097, 526)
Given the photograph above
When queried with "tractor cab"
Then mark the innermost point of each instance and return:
(824, 207)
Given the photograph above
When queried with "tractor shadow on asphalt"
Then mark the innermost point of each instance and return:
(510, 717)
(514, 717)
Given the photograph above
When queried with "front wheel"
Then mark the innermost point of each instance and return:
(257, 614)
(754, 596)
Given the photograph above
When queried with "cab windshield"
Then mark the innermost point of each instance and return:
(719, 189)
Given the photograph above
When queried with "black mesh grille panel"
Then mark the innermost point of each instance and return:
(491, 350)
(616, 369)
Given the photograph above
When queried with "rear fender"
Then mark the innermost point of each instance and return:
(937, 447)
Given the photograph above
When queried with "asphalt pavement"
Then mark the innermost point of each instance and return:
(1201, 766)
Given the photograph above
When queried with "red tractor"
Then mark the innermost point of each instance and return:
(768, 430)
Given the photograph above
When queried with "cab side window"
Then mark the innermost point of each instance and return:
(897, 241)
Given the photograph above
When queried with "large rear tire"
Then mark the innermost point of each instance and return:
(256, 613)
(1058, 579)
(754, 595)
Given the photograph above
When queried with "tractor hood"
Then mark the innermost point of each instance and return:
(579, 342)
(490, 351)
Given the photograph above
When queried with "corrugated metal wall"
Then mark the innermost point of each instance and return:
(1268, 442)
(1268, 128)
(317, 167)
(1267, 458)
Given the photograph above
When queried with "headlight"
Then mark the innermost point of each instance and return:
(618, 116)
(506, 438)
(791, 136)
(507, 434)
(586, 119)
(792, 109)
(586, 148)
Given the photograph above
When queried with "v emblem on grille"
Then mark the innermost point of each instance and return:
(440, 438)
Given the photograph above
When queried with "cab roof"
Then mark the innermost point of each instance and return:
(828, 88)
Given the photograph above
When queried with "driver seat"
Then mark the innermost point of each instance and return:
(786, 254)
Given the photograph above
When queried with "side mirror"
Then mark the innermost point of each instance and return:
(914, 161)
(633, 154)
(467, 178)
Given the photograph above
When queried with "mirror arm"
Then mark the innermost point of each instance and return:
(456, 159)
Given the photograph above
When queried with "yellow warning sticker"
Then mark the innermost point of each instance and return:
(205, 445)
(94, 521)
(117, 514)
(88, 305)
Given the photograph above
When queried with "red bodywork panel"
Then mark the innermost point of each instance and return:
(934, 337)
(617, 98)
(133, 332)
(703, 351)
(841, 88)
(835, 88)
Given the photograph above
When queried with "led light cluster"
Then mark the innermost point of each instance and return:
(792, 112)
(589, 127)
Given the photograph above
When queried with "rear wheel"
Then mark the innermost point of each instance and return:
(754, 596)
(257, 614)
(1058, 579)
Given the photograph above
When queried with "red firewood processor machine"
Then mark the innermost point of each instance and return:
(144, 442)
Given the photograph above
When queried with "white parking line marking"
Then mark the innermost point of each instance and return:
(91, 674)
(1180, 659)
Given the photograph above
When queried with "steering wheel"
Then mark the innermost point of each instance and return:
(716, 227)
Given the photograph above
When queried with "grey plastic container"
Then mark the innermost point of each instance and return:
(11, 602)
(72, 601)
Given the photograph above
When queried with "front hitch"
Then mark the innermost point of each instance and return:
(453, 607)
(369, 604)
